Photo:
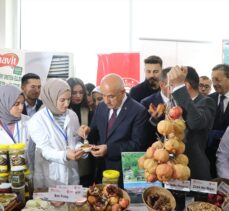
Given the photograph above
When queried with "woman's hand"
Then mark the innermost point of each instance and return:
(74, 154)
(83, 131)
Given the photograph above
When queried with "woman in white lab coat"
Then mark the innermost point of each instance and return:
(13, 124)
(54, 131)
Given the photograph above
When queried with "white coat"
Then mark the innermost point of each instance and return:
(21, 135)
(51, 165)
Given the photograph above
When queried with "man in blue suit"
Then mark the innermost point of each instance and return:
(126, 134)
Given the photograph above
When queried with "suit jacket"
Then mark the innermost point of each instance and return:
(225, 120)
(38, 105)
(199, 117)
(126, 135)
(156, 99)
(141, 91)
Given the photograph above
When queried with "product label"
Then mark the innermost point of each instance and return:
(203, 186)
(3, 163)
(223, 188)
(17, 162)
(178, 185)
(65, 194)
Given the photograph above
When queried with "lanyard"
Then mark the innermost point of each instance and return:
(10, 134)
(64, 133)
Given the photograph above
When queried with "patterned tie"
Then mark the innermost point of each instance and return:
(112, 120)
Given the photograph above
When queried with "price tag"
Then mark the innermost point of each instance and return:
(223, 188)
(41, 195)
(64, 194)
(203, 186)
(178, 185)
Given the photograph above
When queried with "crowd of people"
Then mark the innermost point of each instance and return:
(55, 119)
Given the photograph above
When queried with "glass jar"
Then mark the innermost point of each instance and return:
(4, 158)
(20, 191)
(110, 177)
(4, 177)
(28, 185)
(17, 178)
(17, 157)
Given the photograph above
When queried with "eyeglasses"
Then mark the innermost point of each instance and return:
(206, 86)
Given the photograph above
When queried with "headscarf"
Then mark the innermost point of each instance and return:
(51, 91)
(8, 96)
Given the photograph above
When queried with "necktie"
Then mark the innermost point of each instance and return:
(112, 119)
(218, 124)
(221, 105)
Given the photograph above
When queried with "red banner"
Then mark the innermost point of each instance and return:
(127, 65)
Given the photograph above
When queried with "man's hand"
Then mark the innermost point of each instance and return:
(99, 150)
(84, 131)
(176, 76)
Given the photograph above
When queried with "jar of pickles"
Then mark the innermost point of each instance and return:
(110, 177)
(28, 185)
(4, 158)
(4, 177)
(17, 157)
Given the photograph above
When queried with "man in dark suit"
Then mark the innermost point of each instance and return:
(119, 122)
(153, 66)
(161, 96)
(31, 87)
(198, 113)
(220, 79)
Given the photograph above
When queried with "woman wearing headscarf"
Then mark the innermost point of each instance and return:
(79, 104)
(54, 130)
(13, 124)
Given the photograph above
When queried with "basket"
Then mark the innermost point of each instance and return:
(201, 206)
(160, 191)
(122, 194)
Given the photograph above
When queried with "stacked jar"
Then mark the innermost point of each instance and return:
(110, 177)
(4, 158)
(28, 185)
(17, 168)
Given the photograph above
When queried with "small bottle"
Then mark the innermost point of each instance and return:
(110, 177)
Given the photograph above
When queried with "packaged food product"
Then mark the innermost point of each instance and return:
(3, 158)
(4, 177)
(110, 177)
(17, 156)
(17, 178)
(28, 185)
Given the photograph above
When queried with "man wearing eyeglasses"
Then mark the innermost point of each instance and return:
(117, 126)
(205, 85)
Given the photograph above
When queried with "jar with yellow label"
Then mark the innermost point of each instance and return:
(4, 177)
(110, 177)
(17, 156)
(4, 158)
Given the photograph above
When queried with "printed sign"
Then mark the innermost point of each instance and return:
(178, 185)
(203, 186)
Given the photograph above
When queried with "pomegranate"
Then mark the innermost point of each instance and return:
(181, 172)
(124, 203)
(165, 127)
(161, 155)
(182, 159)
(172, 145)
(175, 112)
(164, 172)
(150, 152)
(141, 162)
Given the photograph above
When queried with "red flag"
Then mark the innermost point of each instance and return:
(127, 65)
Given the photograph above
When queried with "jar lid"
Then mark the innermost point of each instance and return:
(18, 168)
(5, 185)
(6, 174)
(17, 146)
(4, 147)
(111, 174)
